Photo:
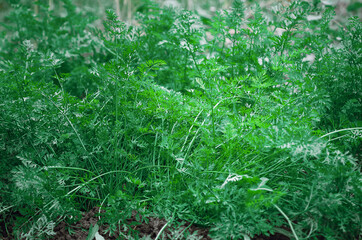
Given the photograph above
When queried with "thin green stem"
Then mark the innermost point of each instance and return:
(289, 222)
(341, 130)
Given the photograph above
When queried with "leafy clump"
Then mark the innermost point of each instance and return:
(246, 122)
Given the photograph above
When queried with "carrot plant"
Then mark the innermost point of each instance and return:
(224, 122)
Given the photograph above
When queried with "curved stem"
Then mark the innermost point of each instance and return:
(289, 222)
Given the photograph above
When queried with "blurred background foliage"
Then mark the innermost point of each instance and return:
(126, 9)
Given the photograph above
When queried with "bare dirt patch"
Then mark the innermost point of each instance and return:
(148, 229)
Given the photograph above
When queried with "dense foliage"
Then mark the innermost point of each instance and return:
(245, 124)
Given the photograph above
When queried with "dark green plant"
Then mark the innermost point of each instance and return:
(222, 122)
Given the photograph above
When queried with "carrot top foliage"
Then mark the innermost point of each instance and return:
(246, 124)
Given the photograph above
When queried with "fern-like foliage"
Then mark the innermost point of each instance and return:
(246, 122)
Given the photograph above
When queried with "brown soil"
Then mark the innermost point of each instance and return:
(150, 229)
